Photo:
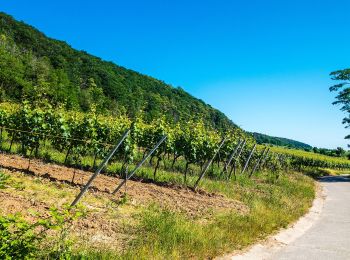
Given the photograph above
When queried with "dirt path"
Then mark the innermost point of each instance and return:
(176, 198)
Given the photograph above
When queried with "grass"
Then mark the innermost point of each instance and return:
(319, 172)
(3, 180)
(163, 234)
(159, 233)
(272, 206)
(273, 201)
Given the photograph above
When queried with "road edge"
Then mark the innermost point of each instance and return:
(266, 248)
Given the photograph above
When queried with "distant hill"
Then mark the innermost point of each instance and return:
(33, 65)
(280, 141)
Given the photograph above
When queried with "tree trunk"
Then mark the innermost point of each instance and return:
(151, 160)
(201, 165)
(30, 156)
(156, 168)
(186, 169)
(144, 153)
(174, 161)
(67, 154)
(37, 150)
(12, 138)
(72, 181)
(233, 169)
(94, 164)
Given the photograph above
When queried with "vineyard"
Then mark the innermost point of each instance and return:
(84, 139)
(99, 161)
(246, 191)
(310, 159)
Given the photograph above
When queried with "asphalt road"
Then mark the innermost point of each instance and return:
(329, 237)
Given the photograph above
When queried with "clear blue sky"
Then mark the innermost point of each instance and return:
(265, 64)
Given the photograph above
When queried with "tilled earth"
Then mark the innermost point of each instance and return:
(107, 223)
(175, 198)
(93, 229)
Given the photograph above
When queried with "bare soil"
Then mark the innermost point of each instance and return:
(93, 229)
(108, 223)
(175, 198)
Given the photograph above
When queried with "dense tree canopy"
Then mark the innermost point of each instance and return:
(33, 65)
(266, 139)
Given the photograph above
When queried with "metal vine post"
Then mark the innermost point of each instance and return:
(265, 158)
(99, 169)
(140, 164)
(233, 168)
(249, 157)
(258, 162)
(228, 162)
(209, 163)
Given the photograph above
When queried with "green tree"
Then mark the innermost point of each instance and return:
(343, 93)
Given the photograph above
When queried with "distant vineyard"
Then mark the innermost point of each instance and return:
(304, 158)
(80, 134)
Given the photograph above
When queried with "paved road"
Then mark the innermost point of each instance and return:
(329, 237)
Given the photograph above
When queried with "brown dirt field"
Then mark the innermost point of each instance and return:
(96, 228)
(175, 198)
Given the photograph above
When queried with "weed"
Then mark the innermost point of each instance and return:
(3, 180)
(123, 199)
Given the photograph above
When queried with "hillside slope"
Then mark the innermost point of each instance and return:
(280, 141)
(33, 65)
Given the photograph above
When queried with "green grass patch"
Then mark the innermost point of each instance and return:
(3, 180)
(163, 234)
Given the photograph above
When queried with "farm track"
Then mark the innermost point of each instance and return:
(174, 197)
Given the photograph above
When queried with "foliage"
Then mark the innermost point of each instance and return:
(62, 221)
(21, 239)
(266, 139)
(299, 158)
(3, 179)
(18, 238)
(35, 66)
(343, 94)
(338, 152)
(88, 134)
(288, 143)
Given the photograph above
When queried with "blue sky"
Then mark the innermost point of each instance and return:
(265, 64)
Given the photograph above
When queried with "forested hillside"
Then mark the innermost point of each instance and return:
(280, 141)
(33, 65)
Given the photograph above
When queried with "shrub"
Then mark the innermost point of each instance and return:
(18, 238)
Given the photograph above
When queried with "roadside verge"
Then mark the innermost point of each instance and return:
(274, 243)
